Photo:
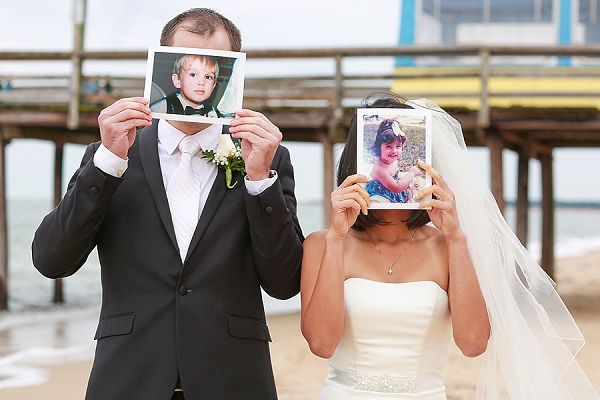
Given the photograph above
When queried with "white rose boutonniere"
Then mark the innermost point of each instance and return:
(228, 156)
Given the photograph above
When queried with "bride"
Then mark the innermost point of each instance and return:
(383, 291)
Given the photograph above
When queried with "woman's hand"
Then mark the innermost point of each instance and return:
(347, 201)
(442, 202)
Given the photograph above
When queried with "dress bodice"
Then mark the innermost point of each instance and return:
(394, 343)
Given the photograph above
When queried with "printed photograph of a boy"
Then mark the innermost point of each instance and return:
(193, 84)
(389, 148)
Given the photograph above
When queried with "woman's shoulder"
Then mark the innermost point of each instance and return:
(432, 235)
(316, 237)
(318, 234)
(314, 247)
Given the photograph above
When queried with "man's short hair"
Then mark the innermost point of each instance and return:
(204, 22)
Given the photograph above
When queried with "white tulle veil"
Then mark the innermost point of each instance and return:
(534, 339)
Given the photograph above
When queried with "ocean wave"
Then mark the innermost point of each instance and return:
(21, 368)
(32, 339)
(567, 247)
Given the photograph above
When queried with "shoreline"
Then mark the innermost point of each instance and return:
(299, 374)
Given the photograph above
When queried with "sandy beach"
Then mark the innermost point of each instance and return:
(299, 374)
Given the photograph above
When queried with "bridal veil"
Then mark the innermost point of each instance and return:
(534, 340)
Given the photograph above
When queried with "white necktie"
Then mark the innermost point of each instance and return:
(183, 193)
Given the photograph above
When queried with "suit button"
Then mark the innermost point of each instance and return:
(94, 190)
(269, 210)
(183, 290)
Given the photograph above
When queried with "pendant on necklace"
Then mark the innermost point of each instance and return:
(390, 266)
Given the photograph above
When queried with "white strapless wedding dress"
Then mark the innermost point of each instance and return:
(394, 344)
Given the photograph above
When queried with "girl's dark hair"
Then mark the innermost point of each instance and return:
(347, 163)
(385, 134)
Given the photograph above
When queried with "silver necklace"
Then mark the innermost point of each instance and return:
(390, 271)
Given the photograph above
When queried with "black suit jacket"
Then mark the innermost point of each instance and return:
(204, 320)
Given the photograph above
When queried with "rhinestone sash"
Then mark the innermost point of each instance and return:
(385, 382)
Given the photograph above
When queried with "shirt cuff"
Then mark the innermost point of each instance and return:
(255, 188)
(109, 163)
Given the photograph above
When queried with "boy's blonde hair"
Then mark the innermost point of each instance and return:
(184, 60)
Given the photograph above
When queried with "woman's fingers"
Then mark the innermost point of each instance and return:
(350, 188)
(351, 192)
(434, 196)
(440, 200)
(353, 179)
(436, 177)
(433, 191)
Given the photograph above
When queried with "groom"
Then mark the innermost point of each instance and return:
(179, 326)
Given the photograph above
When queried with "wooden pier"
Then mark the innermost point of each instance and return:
(530, 110)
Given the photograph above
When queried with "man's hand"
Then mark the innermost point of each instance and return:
(260, 139)
(118, 123)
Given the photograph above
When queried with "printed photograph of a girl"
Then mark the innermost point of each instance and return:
(391, 146)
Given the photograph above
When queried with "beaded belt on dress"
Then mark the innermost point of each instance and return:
(384, 383)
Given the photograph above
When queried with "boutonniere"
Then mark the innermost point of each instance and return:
(228, 157)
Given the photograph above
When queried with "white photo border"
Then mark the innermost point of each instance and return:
(234, 84)
(364, 155)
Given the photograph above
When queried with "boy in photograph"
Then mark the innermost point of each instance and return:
(195, 76)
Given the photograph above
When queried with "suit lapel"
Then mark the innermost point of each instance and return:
(150, 163)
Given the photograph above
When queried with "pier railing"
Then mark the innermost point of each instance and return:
(470, 77)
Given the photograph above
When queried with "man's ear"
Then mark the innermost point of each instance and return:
(176, 81)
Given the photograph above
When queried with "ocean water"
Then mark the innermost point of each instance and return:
(35, 332)
(577, 232)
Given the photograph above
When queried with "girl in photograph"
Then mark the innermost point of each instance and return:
(389, 184)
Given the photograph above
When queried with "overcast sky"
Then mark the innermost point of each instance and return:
(41, 25)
